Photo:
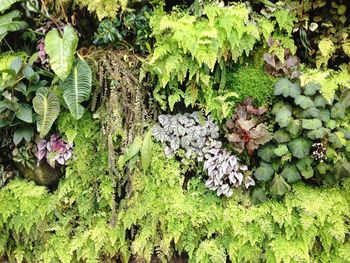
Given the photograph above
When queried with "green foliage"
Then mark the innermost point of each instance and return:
(77, 87)
(9, 22)
(19, 84)
(188, 49)
(61, 50)
(304, 122)
(329, 80)
(132, 27)
(104, 8)
(46, 104)
(249, 81)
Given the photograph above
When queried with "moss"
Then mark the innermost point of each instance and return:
(251, 81)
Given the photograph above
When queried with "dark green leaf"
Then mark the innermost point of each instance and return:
(266, 152)
(338, 111)
(28, 73)
(325, 115)
(318, 133)
(281, 150)
(345, 98)
(286, 88)
(279, 186)
(259, 196)
(290, 173)
(294, 127)
(337, 139)
(304, 102)
(281, 136)
(22, 133)
(320, 102)
(311, 88)
(264, 172)
(25, 113)
(311, 113)
(283, 117)
(300, 147)
(311, 124)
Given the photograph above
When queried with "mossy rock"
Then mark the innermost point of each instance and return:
(43, 174)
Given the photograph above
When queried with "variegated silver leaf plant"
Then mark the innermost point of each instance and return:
(198, 136)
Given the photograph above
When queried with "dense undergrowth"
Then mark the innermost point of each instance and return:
(195, 131)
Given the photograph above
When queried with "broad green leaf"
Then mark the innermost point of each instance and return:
(266, 152)
(279, 186)
(25, 113)
(294, 127)
(311, 113)
(131, 151)
(325, 115)
(286, 88)
(318, 133)
(22, 133)
(337, 139)
(77, 88)
(320, 102)
(264, 172)
(259, 196)
(8, 24)
(283, 117)
(311, 124)
(281, 150)
(6, 4)
(16, 64)
(338, 111)
(300, 147)
(61, 50)
(345, 98)
(304, 102)
(290, 173)
(146, 151)
(305, 167)
(281, 136)
(47, 106)
(331, 124)
(311, 88)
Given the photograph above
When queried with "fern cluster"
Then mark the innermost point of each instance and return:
(164, 215)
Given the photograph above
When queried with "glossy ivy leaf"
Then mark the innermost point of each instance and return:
(281, 150)
(318, 133)
(311, 124)
(294, 128)
(146, 151)
(25, 113)
(61, 50)
(47, 106)
(290, 173)
(77, 88)
(264, 172)
(21, 134)
(300, 147)
(267, 152)
(283, 117)
(342, 169)
(311, 88)
(304, 102)
(338, 111)
(286, 88)
(281, 136)
(279, 186)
